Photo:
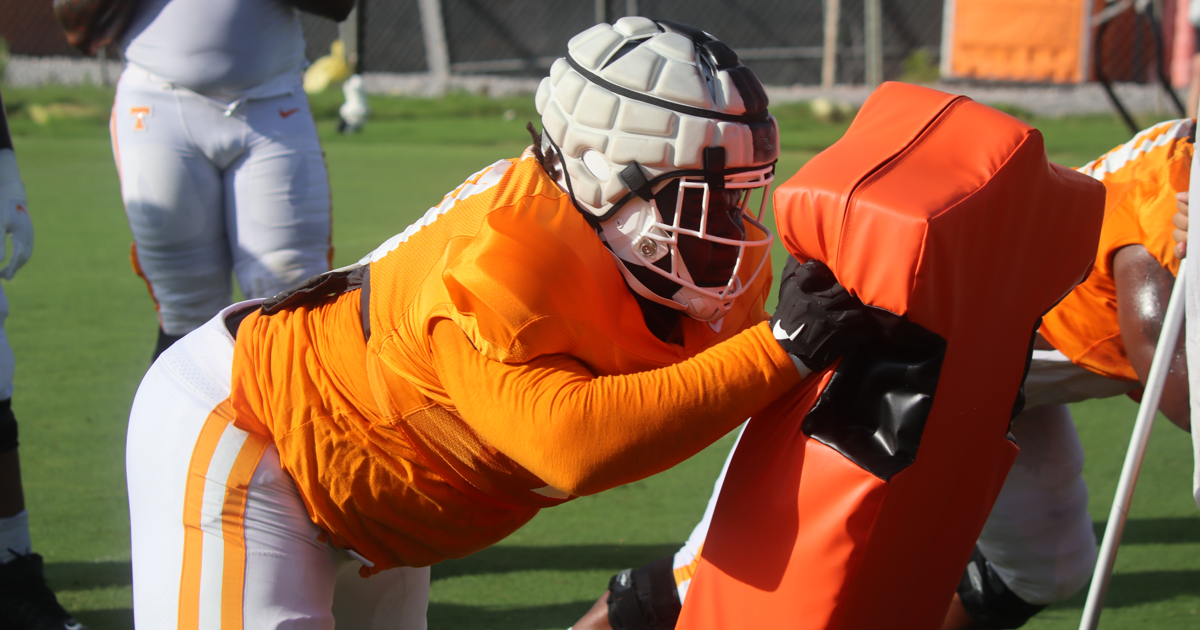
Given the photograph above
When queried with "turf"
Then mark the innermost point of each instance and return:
(82, 328)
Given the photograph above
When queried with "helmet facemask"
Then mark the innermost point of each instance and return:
(688, 247)
(663, 140)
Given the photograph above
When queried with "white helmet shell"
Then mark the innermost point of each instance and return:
(638, 104)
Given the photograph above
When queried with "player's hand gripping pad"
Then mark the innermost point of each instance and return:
(854, 501)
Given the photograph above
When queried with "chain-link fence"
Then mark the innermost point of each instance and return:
(1132, 43)
(782, 40)
(786, 42)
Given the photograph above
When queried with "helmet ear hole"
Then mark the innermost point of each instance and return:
(597, 165)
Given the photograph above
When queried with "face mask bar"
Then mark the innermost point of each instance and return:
(667, 235)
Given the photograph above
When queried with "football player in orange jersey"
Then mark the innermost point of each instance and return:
(565, 322)
(1037, 547)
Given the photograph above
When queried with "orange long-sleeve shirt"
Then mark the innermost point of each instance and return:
(611, 430)
(508, 369)
(1140, 179)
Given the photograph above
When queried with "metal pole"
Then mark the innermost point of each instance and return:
(1086, 31)
(1155, 382)
(631, 7)
(100, 58)
(873, 27)
(601, 11)
(348, 33)
(833, 10)
(437, 53)
(948, 30)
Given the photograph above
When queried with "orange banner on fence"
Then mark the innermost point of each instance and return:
(1019, 40)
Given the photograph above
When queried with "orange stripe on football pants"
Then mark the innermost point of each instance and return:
(685, 572)
(137, 269)
(214, 552)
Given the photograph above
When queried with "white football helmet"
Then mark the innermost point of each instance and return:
(664, 136)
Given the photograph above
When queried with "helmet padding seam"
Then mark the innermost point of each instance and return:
(758, 116)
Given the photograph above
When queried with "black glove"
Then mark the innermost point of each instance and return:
(817, 320)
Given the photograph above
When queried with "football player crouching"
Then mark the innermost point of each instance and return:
(565, 322)
(1038, 546)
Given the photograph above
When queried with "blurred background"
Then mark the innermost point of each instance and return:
(1064, 54)
(448, 84)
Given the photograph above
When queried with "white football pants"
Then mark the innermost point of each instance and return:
(1039, 536)
(217, 186)
(7, 361)
(221, 537)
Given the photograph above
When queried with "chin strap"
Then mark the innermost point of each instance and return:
(640, 288)
(644, 291)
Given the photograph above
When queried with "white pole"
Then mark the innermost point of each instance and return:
(601, 11)
(102, 59)
(348, 33)
(833, 9)
(1155, 382)
(947, 63)
(1085, 43)
(631, 7)
(437, 53)
(873, 27)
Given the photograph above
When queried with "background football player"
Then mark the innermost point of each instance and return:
(564, 322)
(221, 169)
(1037, 546)
(26, 602)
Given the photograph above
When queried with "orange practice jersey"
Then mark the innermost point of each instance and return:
(1140, 179)
(508, 369)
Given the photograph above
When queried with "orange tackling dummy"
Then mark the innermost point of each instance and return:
(945, 212)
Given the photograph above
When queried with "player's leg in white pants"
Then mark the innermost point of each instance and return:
(7, 362)
(688, 557)
(214, 186)
(277, 204)
(14, 520)
(1039, 536)
(221, 538)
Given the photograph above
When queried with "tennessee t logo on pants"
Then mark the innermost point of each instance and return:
(140, 114)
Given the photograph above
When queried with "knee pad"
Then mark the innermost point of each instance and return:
(8, 426)
(987, 599)
(645, 598)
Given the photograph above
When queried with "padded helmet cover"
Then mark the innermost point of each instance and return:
(638, 104)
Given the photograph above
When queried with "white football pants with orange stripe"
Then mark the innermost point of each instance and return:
(1039, 536)
(7, 361)
(221, 538)
(215, 186)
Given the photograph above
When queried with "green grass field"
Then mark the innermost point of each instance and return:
(83, 327)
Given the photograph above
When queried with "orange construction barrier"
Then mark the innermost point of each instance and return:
(854, 501)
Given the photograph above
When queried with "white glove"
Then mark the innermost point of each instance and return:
(14, 217)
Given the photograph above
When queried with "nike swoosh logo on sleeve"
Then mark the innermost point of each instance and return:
(284, 113)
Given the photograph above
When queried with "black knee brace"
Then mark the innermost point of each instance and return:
(8, 426)
(988, 600)
(645, 598)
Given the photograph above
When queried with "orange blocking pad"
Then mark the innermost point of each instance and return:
(944, 211)
(1017, 40)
